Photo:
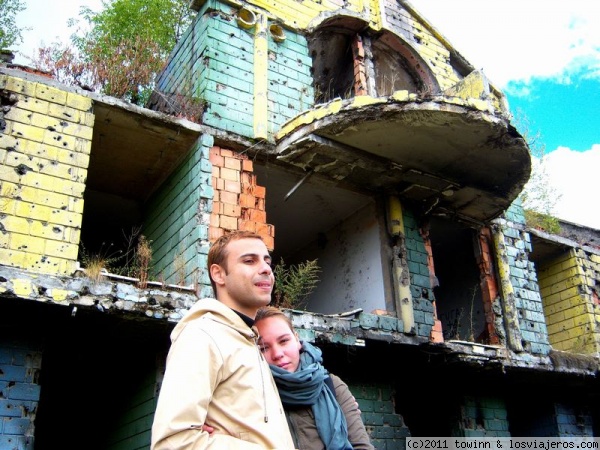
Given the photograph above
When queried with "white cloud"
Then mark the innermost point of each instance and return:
(514, 40)
(574, 176)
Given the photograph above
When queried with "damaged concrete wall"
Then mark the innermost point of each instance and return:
(521, 303)
(215, 190)
(45, 140)
(274, 67)
(351, 255)
(249, 80)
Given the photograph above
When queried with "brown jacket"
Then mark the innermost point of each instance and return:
(304, 430)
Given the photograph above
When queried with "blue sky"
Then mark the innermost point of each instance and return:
(543, 54)
(565, 114)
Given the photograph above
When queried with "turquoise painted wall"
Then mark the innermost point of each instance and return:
(177, 219)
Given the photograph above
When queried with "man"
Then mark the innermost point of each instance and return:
(215, 373)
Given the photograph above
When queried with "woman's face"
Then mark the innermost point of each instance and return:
(278, 343)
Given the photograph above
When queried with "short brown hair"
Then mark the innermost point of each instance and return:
(266, 312)
(218, 252)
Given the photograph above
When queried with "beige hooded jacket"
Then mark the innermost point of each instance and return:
(215, 374)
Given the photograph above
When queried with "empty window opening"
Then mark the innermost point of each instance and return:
(392, 72)
(333, 66)
(458, 296)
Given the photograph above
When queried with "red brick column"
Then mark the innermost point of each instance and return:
(436, 334)
(360, 71)
(488, 285)
(238, 202)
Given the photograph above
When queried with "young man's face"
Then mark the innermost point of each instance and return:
(245, 281)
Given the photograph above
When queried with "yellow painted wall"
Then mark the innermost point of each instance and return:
(570, 306)
(44, 155)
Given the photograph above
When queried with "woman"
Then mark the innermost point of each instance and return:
(322, 412)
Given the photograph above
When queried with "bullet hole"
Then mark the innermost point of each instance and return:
(2, 229)
(50, 128)
(22, 169)
(64, 124)
(42, 290)
(56, 230)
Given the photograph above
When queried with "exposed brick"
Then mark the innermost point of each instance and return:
(247, 200)
(260, 191)
(216, 158)
(228, 222)
(230, 174)
(247, 225)
(229, 197)
(258, 216)
(215, 233)
(247, 165)
(231, 210)
(233, 163)
(233, 186)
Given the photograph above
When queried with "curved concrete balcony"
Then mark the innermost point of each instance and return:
(447, 156)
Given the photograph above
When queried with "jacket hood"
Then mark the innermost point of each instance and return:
(210, 308)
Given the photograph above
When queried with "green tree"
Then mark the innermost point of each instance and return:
(10, 34)
(539, 197)
(127, 44)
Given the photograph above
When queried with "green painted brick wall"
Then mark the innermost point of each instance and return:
(134, 423)
(482, 417)
(177, 219)
(419, 276)
(386, 428)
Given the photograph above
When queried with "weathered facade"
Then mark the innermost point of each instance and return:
(348, 132)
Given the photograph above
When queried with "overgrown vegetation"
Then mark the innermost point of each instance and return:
(10, 34)
(98, 263)
(133, 261)
(294, 284)
(539, 197)
(127, 45)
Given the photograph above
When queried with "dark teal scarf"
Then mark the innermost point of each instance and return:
(306, 387)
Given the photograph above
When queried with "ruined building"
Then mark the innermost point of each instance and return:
(350, 132)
